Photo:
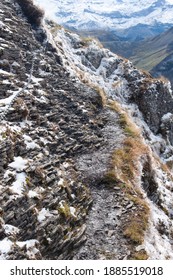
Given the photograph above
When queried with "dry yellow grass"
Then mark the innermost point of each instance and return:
(116, 84)
(124, 168)
(125, 159)
(87, 40)
(129, 127)
(138, 223)
(141, 255)
(161, 79)
(102, 94)
(123, 171)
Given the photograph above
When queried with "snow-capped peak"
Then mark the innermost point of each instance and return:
(112, 14)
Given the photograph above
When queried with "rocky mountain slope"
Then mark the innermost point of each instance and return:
(85, 145)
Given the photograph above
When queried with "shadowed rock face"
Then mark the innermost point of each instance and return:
(154, 102)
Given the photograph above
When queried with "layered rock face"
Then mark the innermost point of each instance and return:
(83, 143)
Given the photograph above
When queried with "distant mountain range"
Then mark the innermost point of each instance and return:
(126, 18)
(139, 30)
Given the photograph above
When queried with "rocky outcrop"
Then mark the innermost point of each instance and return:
(154, 101)
(119, 79)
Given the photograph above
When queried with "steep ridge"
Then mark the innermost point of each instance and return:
(119, 81)
(86, 149)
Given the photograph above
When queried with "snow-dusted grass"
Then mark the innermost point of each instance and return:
(73, 60)
(4, 103)
(6, 246)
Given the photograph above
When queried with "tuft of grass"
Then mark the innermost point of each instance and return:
(110, 179)
(129, 127)
(123, 172)
(137, 225)
(141, 255)
(116, 84)
(135, 231)
(64, 210)
(161, 79)
(102, 94)
(55, 28)
(87, 40)
(146, 73)
(115, 106)
(124, 159)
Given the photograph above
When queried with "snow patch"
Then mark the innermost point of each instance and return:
(10, 230)
(31, 247)
(73, 211)
(8, 174)
(5, 248)
(32, 194)
(19, 164)
(6, 73)
(43, 214)
(18, 186)
(61, 182)
(167, 117)
(30, 144)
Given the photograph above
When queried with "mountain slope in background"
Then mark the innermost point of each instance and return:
(152, 51)
(155, 55)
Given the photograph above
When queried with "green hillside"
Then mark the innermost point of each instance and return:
(151, 52)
